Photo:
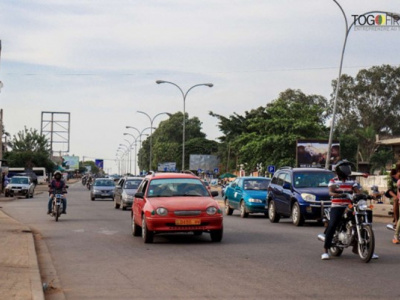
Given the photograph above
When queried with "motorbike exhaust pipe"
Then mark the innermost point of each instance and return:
(321, 237)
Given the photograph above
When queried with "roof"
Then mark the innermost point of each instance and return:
(171, 175)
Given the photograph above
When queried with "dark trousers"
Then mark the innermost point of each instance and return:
(335, 217)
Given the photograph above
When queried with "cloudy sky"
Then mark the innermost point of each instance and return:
(99, 60)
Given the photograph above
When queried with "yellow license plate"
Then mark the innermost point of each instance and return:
(187, 222)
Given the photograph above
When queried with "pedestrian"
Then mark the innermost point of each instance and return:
(392, 193)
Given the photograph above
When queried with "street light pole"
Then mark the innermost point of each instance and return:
(140, 132)
(184, 111)
(151, 131)
(127, 149)
(135, 139)
(347, 31)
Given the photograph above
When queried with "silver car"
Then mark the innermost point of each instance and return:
(125, 190)
(20, 186)
(102, 188)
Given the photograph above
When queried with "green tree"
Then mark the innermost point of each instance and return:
(167, 142)
(29, 149)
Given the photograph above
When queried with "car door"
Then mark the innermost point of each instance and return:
(230, 193)
(138, 203)
(238, 193)
(279, 192)
(118, 190)
(287, 194)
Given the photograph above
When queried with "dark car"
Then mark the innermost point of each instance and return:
(102, 188)
(125, 191)
(247, 194)
(298, 193)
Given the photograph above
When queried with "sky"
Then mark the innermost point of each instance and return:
(99, 60)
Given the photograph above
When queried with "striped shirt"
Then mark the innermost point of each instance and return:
(346, 186)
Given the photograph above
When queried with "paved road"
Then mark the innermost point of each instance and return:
(96, 257)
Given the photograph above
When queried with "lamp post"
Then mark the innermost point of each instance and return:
(127, 150)
(184, 110)
(151, 130)
(121, 151)
(347, 31)
(135, 139)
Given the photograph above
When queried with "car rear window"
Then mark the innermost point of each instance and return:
(132, 184)
(312, 179)
(256, 184)
(104, 183)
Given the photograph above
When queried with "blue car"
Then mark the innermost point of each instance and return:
(299, 193)
(247, 194)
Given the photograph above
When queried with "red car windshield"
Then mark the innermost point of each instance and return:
(176, 187)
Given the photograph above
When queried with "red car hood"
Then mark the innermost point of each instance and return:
(183, 203)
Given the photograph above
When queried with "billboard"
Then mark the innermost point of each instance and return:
(70, 162)
(204, 162)
(167, 167)
(312, 153)
(99, 163)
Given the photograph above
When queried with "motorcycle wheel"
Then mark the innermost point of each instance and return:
(57, 212)
(366, 250)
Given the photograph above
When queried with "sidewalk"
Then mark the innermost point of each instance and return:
(19, 269)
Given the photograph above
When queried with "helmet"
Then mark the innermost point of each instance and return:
(343, 168)
(57, 173)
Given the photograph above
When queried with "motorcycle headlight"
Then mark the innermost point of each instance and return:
(362, 205)
(252, 200)
(308, 197)
(161, 211)
(211, 210)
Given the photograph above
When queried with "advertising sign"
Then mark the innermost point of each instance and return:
(167, 167)
(312, 153)
(205, 162)
(70, 162)
(99, 163)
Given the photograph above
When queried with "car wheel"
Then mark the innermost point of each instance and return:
(136, 230)
(116, 205)
(92, 198)
(297, 217)
(146, 234)
(273, 216)
(243, 213)
(122, 206)
(216, 235)
(228, 209)
(27, 195)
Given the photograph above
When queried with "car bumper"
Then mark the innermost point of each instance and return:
(22, 192)
(256, 208)
(103, 195)
(314, 210)
(169, 224)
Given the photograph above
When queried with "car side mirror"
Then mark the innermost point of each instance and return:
(139, 195)
(214, 193)
(287, 186)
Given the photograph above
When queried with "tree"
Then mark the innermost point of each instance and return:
(268, 134)
(29, 149)
(369, 104)
(167, 142)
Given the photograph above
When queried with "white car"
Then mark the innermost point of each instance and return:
(20, 186)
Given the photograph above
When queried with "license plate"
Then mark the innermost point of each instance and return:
(58, 202)
(187, 222)
(104, 194)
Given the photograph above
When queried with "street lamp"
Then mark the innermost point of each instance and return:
(127, 150)
(151, 130)
(347, 31)
(135, 139)
(184, 111)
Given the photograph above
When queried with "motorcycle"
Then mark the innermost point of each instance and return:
(57, 205)
(355, 228)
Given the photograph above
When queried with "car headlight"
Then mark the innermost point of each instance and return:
(127, 197)
(211, 210)
(362, 205)
(161, 211)
(308, 197)
(252, 200)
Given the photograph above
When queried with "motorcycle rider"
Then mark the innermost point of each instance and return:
(337, 187)
(57, 184)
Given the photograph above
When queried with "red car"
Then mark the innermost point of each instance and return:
(175, 202)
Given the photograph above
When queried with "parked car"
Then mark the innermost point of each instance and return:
(125, 191)
(102, 188)
(298, 193)
(247, 194)
(20, 186)
(175, 202)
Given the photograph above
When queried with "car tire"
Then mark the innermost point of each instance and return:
(92, 198)
(297, 217)
(228, 209)
(273, 216)
(136, 230)
(216, 235)
(243, 213)
(27, 195)
(122, 206)
(147, 235)
(116, 205)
